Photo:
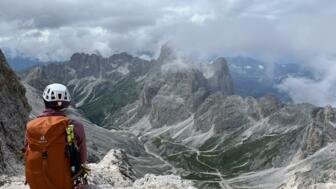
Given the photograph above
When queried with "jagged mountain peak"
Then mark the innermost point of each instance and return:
(219, 77)
(82, 56)
(86, 57)
(167, 54)
(122, 55)
(220, 64)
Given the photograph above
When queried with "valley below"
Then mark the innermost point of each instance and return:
(185, 124)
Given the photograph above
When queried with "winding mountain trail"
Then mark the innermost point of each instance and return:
(157, 156)
(223, 183)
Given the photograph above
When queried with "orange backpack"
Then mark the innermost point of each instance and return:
(47, 163)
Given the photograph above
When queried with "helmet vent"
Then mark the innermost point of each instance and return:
(57, 93)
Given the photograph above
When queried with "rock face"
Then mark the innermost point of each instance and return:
(219, 77)
(14, 113)
(93, 81)
(114, 171)
(229, 138)
(177, 96)
(174, 92)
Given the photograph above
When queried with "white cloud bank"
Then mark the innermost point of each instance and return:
(320, 91)
(53, 30)
(268, 29)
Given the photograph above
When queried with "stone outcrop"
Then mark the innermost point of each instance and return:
(14, 111)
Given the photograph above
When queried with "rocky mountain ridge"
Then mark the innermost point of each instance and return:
(187, 119)
(94, 79)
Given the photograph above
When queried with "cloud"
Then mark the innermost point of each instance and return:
(54, 30)
(270, 30)
(321, 90)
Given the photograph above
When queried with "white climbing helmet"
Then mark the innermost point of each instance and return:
(56, 93)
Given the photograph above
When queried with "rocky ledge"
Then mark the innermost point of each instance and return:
(114, 172)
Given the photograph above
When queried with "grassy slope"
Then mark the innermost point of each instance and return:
(123, 93)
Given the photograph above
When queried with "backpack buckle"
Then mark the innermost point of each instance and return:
(70, 136)
(44, 155)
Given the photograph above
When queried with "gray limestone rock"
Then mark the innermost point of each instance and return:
(14, 111)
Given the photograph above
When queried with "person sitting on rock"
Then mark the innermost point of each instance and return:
(55, 150)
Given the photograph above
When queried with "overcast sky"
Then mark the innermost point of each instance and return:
(53, 30)
(268, 29)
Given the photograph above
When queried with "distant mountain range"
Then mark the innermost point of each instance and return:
(251, 77)
(174, 117)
